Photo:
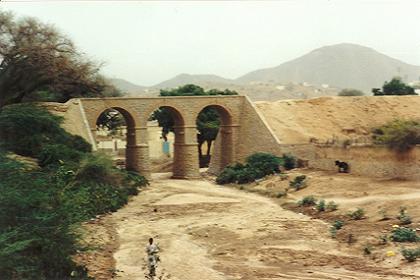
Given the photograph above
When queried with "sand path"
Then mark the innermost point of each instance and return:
(210, 232)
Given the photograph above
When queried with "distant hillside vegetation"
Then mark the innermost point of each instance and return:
(201, 80)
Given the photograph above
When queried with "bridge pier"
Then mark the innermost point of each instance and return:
(186, 165)
(137, 151)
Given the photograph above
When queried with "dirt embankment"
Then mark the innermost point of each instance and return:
(210, 232)
(297, 121)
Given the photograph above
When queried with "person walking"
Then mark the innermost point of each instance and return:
(152, 251)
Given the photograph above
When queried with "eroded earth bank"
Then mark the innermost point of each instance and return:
(206, 231)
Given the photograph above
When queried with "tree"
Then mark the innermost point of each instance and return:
(111, 119)
(38, 63)
(208, 121)
(350, 92)
(400, 135)
(394, 87)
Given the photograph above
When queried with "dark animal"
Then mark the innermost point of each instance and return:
(343, 167)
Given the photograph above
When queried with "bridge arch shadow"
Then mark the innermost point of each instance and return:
(120, 124)
(177, 127)
(219, 154)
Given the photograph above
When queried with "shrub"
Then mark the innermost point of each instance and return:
(403, 234)
(257, 166)
(307, 201)
(78, 143)
(350, 92)
(97, 168)
(332, 206)
(394, 87)
(247, 175)
(399, 135)
(26, 129)
(266, 163)
(338, 224)
(58, 154)
(410, 254)
(358, 214)
(299, 182)
(321, 206)
(404, 218)
(289, 161)
(36, 237)
(228, 175)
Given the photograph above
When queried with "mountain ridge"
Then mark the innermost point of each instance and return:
(344, 65)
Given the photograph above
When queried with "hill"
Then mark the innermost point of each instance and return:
(201, 80)
(325, 118)
(342, 66)
(126, 86)
(338, 66)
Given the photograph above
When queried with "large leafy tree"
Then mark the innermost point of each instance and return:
(38, 63)
(208, 121)
(394, 87)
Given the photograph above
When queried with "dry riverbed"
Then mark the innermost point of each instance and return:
(207, 231)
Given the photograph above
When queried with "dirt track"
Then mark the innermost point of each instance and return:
(210, 232)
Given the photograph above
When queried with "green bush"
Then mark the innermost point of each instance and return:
(247, 175)
(358, 214)
(78, 143)
(288, 161)
(58, 154)
(36, 237)
(338, 224)
(403, 234)
(307, 201)
(410, 254)
(228, 175)
(40, 208)
(299, 182)
(266, 163)
(394, 87)
(332, 206)
(26, 129)
(257, 166)
(399, 135)
(98, 168)
(321, 206)
(404, 218)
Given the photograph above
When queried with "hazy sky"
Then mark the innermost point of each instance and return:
(148, 42)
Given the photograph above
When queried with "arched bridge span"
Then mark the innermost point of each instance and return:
(242, 131)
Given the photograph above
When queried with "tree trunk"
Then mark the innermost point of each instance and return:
(200, 151)
(209, 143)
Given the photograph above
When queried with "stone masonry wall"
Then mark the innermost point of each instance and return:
(371, 161)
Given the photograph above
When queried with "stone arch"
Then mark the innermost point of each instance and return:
(223, 150)
(130, 158)
(183, 160)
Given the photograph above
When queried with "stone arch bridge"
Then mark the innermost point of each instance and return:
(243, 130)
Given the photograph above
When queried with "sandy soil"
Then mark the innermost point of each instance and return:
(296, 121)
(207, 231)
